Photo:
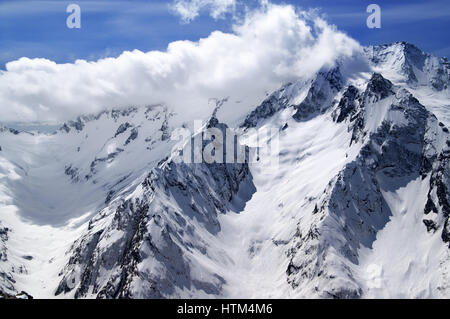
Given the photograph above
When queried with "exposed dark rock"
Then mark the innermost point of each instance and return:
(122, 128)
(378, 88)
(320, 95)
(72, 172)
(165, 130)
(347, 105)
(275, 102)
(430, 225)
(132, 137)
(21, 295)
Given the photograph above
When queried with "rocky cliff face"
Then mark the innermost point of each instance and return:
(6, 279)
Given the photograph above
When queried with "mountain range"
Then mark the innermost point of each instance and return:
(357, 205)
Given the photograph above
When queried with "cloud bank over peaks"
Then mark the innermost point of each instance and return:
(269, 47)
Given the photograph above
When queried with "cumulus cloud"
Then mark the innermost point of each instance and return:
(271, 46)
(188, 10)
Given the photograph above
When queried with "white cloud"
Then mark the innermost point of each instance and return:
(273, 45)
(188, 10)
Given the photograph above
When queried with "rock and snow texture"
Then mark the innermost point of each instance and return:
(358, 206)
(426, 76)
(401, 144)
(156, 242)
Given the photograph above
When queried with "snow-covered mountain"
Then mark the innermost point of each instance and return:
(358, 206)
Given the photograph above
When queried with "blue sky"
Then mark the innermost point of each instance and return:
(38, 28)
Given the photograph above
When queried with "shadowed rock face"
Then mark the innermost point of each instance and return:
(6, 280)
(274, 103)
(320, 95)
(21, 295)
(347, 106)
(3, 238)
(319, 98)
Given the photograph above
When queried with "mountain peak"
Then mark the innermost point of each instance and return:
(380, 86)
(405, 62)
